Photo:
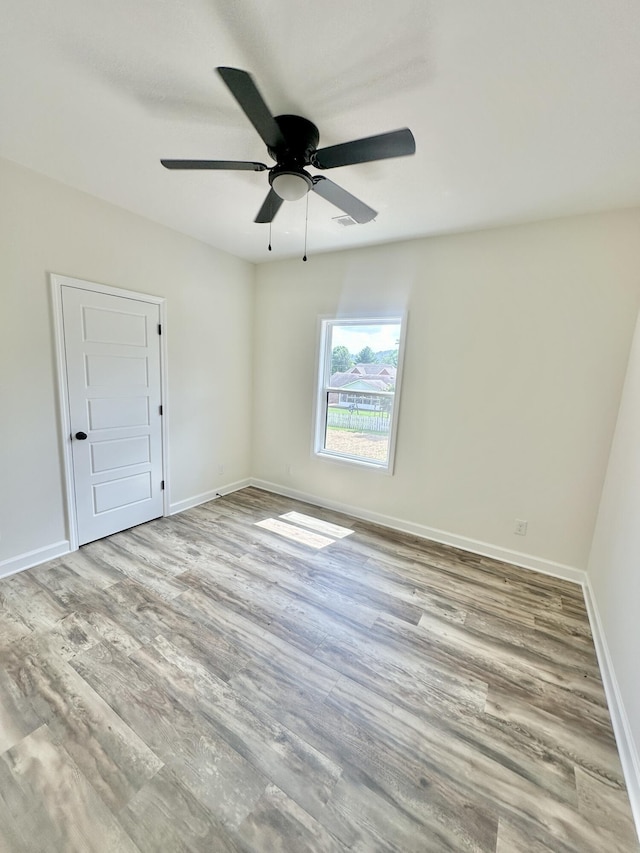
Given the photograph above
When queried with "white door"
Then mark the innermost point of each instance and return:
(112, 353)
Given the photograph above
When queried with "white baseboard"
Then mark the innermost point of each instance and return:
(33, 558)
(196, 500)
(484, 549)
(59, 549)
(627, 748)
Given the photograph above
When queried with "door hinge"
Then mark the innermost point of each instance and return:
(159, 328)
(160, 409)
(162, 485)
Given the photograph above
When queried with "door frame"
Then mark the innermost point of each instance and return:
(57, 283)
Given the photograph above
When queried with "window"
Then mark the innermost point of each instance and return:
(358, 390)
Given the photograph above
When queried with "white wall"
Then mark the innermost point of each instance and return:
(516, 349)
(47, 227)
(614, 563)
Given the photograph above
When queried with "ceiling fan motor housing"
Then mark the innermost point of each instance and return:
(301, 140)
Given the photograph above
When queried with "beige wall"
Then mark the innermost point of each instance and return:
(515, 355)
(46, 227)
(614, 564)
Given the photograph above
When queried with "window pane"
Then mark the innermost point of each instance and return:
(358, 376)
(359, 343)
(359, 425)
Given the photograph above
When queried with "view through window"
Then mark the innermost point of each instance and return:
(358, 389)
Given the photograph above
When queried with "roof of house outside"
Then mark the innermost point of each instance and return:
(365, 385)
(373, 382)
(373, 368)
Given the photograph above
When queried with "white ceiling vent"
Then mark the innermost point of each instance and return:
(344, 220)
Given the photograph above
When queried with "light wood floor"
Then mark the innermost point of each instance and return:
(201, 683)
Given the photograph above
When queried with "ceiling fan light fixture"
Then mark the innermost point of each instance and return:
(291, 186)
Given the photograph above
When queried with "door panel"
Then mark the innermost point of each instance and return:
(111, 371)
(117, 493)
(119, 453)
(110, 412)
(112, 351)
(101, 325)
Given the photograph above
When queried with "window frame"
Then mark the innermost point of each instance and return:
(323, 362)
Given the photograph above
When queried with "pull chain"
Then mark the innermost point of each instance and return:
(306, 223)
(269, 235)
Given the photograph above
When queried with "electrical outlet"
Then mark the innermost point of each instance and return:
(521, 527)
(287, 469)
(220, 469)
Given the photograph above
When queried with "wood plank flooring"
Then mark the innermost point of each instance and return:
(202, 683)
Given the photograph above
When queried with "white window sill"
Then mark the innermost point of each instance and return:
(351, 460)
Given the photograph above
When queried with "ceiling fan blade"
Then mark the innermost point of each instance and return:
(397, 143)
(356, 209)
(242, 165)
(270, 206)
(246, 93)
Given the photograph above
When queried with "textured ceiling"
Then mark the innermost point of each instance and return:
(521, 109)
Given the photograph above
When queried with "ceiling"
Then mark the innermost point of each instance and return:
(521, 109)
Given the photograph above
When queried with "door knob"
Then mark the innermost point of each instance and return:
(81, 436)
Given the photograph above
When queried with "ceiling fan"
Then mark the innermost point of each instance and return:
(292, 142)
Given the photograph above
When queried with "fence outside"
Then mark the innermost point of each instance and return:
(363, 423)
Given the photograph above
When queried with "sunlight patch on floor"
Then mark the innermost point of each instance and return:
(297, 534)
(323, 527)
